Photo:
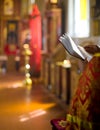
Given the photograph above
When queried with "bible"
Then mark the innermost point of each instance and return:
(74, 49)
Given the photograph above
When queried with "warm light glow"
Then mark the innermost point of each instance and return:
(66, 64)
(53, 1)
(26, 46)
(32, 114)
(81, 15)
(83, 9)
(23, 119)
(27, 75)
(15, 85)
(32, 1)
(27, 110)
(28, 81)
(27, 66)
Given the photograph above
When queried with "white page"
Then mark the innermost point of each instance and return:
(85, 53)
(75, 48)
(70, 46)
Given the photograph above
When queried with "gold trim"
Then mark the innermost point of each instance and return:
(97, 54)
(11, 17)
(79, 121)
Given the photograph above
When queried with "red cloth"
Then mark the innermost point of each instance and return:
(55, 124)
(36, 39)
(84, 111)
(11, 49)
(85, 104)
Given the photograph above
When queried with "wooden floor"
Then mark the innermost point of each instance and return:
(24, 109)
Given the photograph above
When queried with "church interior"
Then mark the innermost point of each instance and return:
(32, 54)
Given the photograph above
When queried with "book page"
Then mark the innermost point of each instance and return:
(85, 53)
(71, 47)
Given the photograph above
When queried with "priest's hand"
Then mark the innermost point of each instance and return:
(92, 49)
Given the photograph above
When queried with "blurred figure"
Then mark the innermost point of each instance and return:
(85, 106)
(17, 59)
(4, 66)
(84, 111)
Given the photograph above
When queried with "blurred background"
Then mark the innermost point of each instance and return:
(30, 50)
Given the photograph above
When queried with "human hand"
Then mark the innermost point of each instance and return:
(92, 49)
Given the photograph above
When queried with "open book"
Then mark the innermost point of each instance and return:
(74, 49)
